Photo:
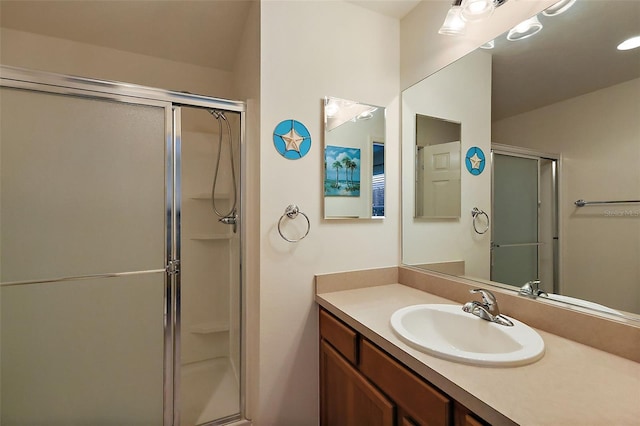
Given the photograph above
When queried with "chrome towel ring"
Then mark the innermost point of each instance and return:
(476, 212)
(292, 212)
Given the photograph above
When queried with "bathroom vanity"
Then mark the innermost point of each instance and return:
(362, 383)
(368, 375)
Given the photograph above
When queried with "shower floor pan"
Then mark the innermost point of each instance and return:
(210, 391)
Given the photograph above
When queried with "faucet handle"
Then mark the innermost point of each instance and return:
(488, 299)
(537, 290)
(535, 284)
(532, 289)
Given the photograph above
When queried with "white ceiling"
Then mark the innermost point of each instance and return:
(393, 8)
(208, 33)
(204, 32)
(574, 54)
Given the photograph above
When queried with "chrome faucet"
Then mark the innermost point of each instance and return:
(488, 309)
(532, 289)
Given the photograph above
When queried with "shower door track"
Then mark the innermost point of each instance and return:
(38, 81)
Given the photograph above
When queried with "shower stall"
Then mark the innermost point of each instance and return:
(525, 236)
(121, 297)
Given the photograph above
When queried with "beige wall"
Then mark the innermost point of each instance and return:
(310, 50)
(597, 135)
(37, 52)
(247, 87)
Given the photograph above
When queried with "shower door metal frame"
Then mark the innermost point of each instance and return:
(38, 81)
(519, 152)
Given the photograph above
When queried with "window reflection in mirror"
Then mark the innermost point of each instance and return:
(437, 193)
(354, 180)
(378, 180)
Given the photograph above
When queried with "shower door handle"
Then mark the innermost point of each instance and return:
(173, 267)
(494, 245)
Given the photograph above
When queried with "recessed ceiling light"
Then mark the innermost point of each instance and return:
(630, 43)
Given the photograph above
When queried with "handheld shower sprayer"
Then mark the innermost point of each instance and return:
(230, 217)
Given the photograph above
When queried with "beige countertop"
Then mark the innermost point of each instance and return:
(573, 384)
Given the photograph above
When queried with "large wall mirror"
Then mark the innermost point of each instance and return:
(557, 117)
(354, 156)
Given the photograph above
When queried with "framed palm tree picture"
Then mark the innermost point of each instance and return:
(341, 171)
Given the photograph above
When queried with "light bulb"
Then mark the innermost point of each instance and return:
(331, 109)
(476, 10)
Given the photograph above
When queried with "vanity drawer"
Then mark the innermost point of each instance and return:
(341, 337)
(425, 404)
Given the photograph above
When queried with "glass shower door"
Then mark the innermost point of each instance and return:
(83, 248)
(514, 249)
(209, 319)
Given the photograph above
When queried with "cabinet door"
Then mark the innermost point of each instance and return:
(346, 397)
(464, 417)
(419, 401)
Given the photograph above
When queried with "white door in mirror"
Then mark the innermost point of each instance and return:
(440, 180)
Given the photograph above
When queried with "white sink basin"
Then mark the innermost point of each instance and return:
(446, 331)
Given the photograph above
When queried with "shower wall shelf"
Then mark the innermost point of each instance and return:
(210, 237)
(209, 327)
(207, 196)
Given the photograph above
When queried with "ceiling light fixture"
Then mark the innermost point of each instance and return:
(477, 10)
(525, 29)
(630, 43)
(463, 11)
(453, 22)
(558, 8)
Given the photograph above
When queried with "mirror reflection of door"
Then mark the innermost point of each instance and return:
(437, 186)
(439, 175)
(524, 225)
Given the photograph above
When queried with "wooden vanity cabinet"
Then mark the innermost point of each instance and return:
(418, 401)
(360, 384)
(348, 398)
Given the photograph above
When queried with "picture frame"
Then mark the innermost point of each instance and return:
(341, 171)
